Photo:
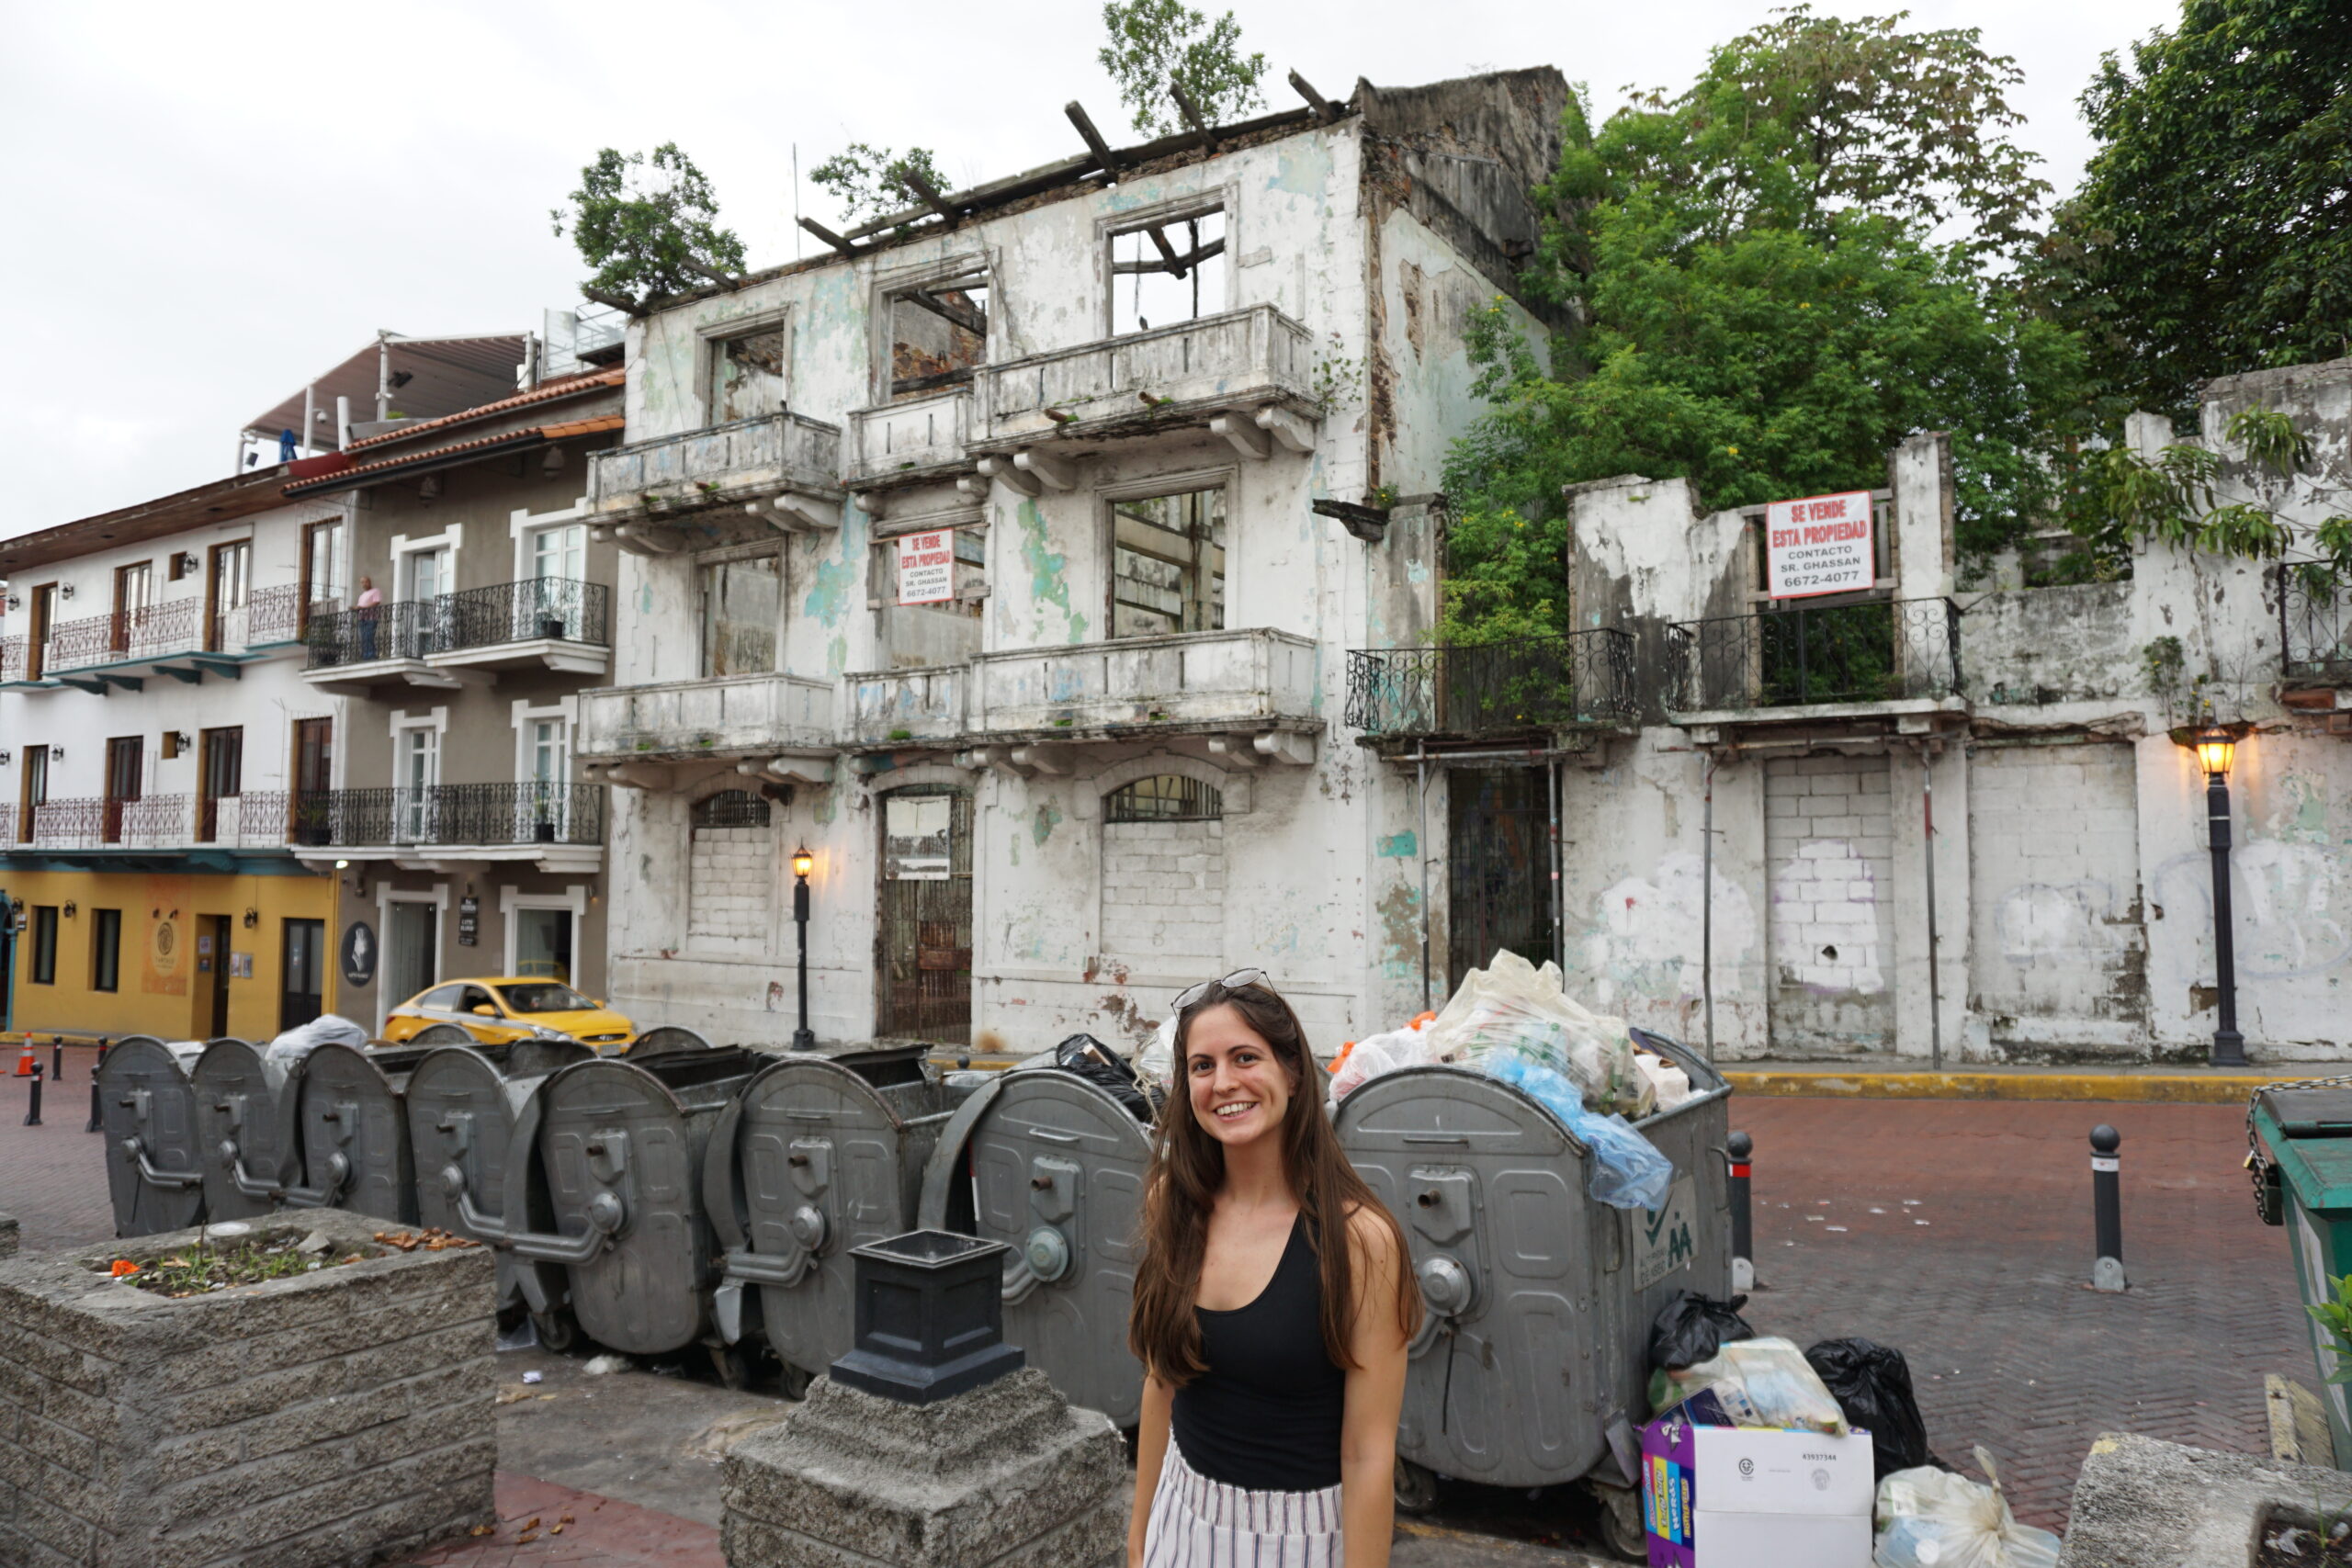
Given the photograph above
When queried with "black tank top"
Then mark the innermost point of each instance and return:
(1266, 1415)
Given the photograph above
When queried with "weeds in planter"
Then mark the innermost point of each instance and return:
(197, 1269)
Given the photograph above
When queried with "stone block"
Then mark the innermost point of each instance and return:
(7, 1236)
(1007, 1475)
(264, 1423)
(2140, 1503)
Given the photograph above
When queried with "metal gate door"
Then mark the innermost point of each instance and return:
(925, 961)
(1499, 853)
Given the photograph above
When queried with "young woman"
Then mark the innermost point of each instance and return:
(1273, 1305)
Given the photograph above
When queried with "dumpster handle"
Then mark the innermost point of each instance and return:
(768, 1269)
(154, 1177)
(939, 1174)
(484, 1227)
(338, 1175)
(606, 1215)
(233, 1156)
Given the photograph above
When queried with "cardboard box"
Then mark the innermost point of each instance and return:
(1748, 1497)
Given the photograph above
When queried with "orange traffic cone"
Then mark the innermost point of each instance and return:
(25, 1063)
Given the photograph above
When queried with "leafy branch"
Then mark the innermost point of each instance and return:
(1155, 42)
(649, 227)
(871, 181)
(2173, 501)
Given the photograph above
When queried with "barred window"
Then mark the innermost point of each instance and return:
(1164, 797)
(731, 808)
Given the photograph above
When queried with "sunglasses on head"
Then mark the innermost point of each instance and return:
(1232, 982)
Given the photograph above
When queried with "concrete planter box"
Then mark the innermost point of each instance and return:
(338, 1417)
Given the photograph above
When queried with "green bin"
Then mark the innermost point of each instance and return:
(2301, 1161)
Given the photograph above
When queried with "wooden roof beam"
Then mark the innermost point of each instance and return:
(1323, 107)
(1192, 113)
(932, 198)
(843, 246)
(1093, 139)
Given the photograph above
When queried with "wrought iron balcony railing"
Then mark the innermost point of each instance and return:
(153, 631)
(268, 615)
(1583, 678)
(1883, 651)
(72, 824)
(2314, 625)
(12, 659)
(451, 813)
(256, 820)
(559, 609)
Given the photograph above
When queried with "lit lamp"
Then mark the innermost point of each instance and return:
(2216, 746)
(803, 863)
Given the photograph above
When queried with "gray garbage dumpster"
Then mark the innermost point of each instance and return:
(1054, 1167)
(818, 1154)
(147, 1110)
(356, 1151)
(244, 1118)
(662, 1041)
(461, 1102)
(610, 1151)
(1533, 1363)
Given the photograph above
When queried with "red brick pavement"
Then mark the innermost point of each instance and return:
(569, 1528)
(53, 1177)
(1959, 1233)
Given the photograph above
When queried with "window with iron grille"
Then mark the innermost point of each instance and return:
(1164, 797)
(731, 808)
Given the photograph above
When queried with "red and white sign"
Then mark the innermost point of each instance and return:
(927, 567)
(1819, 545)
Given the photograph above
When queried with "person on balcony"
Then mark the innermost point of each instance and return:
(368, 605)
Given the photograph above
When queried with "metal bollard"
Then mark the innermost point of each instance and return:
(2106, 1209)
(96, 1117)
(57, 1058)
(33, 1108)
(1739, 1147)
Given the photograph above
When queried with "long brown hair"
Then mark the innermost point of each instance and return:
(1187, 1169)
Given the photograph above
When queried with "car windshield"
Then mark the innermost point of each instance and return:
(545, 997)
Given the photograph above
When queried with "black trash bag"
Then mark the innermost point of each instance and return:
(1099, 1065)
(1691, 1327)
(1873, 1385)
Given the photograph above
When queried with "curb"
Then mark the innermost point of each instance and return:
(2147, 1088)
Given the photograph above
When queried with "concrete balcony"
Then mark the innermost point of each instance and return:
(1250, 697)
(1248, 375)
(908, 708)
(636, 735)
(915, 441)
(724, 484)
(170, 834)
(175, 638)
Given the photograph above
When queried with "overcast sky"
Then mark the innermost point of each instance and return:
(206, 207)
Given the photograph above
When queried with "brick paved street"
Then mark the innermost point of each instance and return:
(53, 1177)
(1960, 1233)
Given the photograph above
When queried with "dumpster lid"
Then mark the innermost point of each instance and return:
(2311, 1113)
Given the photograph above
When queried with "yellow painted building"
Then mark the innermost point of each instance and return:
(183, 956)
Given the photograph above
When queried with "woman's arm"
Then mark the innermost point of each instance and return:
(1151, 1449)
(1375, 1396)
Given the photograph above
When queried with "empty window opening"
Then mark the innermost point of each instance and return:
(1167, 272)
(106, 950)
(1164, 797)
(742, 603)
(731, 808)
(1167, 566)
(938, 334)
(747, 375)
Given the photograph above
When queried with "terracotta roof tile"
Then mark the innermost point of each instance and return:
(343, 478)
(569, 386)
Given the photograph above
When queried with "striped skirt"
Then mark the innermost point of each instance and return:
(1199, 1523)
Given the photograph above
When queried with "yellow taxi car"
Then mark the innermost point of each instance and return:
(500, 1011)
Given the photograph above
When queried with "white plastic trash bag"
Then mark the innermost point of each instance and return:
(1514, 1008)
(1157, 1061)
(1759, 1382)
(1932, 1518)
(326, 1028)
(1374, 1054)
(1669, 1085)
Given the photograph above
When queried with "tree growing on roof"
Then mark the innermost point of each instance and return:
(649, 227)
(871, 181)
(1155, 42)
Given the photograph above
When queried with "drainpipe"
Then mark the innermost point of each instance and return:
(342, 422)
(1707, 905)
(1927, 849)
(1421, 842)
(1559, 914)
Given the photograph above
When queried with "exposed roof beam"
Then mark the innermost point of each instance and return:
(828, 236)
(1322, 106)
(955, 315)
(1192, 113)
(1093, 139)
(932, 198)
(1177, 265)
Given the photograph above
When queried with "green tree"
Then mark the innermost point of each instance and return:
(649, 227)
(872, 181)
(2212, 232)
(1765, 304)
(1154, 42)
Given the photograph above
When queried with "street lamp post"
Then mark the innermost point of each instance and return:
(803, 863)
(2216, 747)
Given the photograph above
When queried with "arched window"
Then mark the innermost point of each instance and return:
(731, 808)
(1164, 797)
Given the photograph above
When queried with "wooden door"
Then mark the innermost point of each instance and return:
(220, 771)
(313, 779)
(212, 973)
(44, 621)
(126, 755)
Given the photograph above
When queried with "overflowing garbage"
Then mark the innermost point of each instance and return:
(1516, 1023)
(1812, 1459)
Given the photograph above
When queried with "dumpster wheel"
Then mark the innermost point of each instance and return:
(793, 1381)
(1621, 1522)
(733, 1364)
(1416, 1487)
(557, 1329)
